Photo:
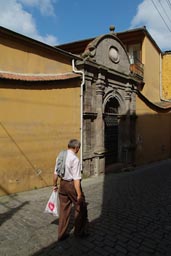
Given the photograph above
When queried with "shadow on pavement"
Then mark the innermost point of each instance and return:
(10, 212)
(135, 218)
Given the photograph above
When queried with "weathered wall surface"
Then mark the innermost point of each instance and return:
(151, 60)
(166, 76)
(36, 118)
(26, 57)
(153, 135)
(34, 125)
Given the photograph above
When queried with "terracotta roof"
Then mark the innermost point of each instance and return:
(77, 47)
(131, 36)
(37, 77)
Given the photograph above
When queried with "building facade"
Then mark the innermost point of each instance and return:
(126, 89)
(166, 76)
(112, 92)
(39, 110)
(152, 109)
(109, 105)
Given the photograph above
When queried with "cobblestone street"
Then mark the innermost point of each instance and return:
(129, 214)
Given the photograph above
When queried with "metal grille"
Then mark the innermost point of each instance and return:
(111, 120)
(111, 139)
(111, 131)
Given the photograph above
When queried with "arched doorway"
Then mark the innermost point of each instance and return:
(111, 131)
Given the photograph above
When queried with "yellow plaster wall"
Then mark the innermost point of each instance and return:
(35, 124)
(21, 57)
(151, 61)
(166, 76)
(153, 137)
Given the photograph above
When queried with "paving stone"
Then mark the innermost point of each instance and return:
(121, 249)
(129, 216)
(133, 244)
(119, 254)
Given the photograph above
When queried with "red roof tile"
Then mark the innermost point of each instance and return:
(37, 77)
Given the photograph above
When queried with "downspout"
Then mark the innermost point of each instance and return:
(81, 109)
(161, 86)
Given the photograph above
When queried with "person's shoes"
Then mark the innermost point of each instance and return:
(64, 237)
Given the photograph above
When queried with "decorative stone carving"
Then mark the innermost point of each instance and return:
(114, 54)
(90, 115)
(128, 94)
(107, 80)
(100, 86)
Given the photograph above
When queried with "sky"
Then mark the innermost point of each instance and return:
(57, 22)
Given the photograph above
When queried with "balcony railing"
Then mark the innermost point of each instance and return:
(137, 67)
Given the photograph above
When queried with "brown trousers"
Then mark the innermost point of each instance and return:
(67, 197)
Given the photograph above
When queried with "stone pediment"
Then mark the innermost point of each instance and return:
(107, 50)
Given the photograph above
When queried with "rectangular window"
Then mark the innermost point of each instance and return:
(134, 52)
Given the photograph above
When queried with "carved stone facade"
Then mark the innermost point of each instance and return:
(109, 105)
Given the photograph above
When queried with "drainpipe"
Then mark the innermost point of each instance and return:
(161, 87)
(81, 109)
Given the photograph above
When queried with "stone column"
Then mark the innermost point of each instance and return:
(99, 149)
(127, 144)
